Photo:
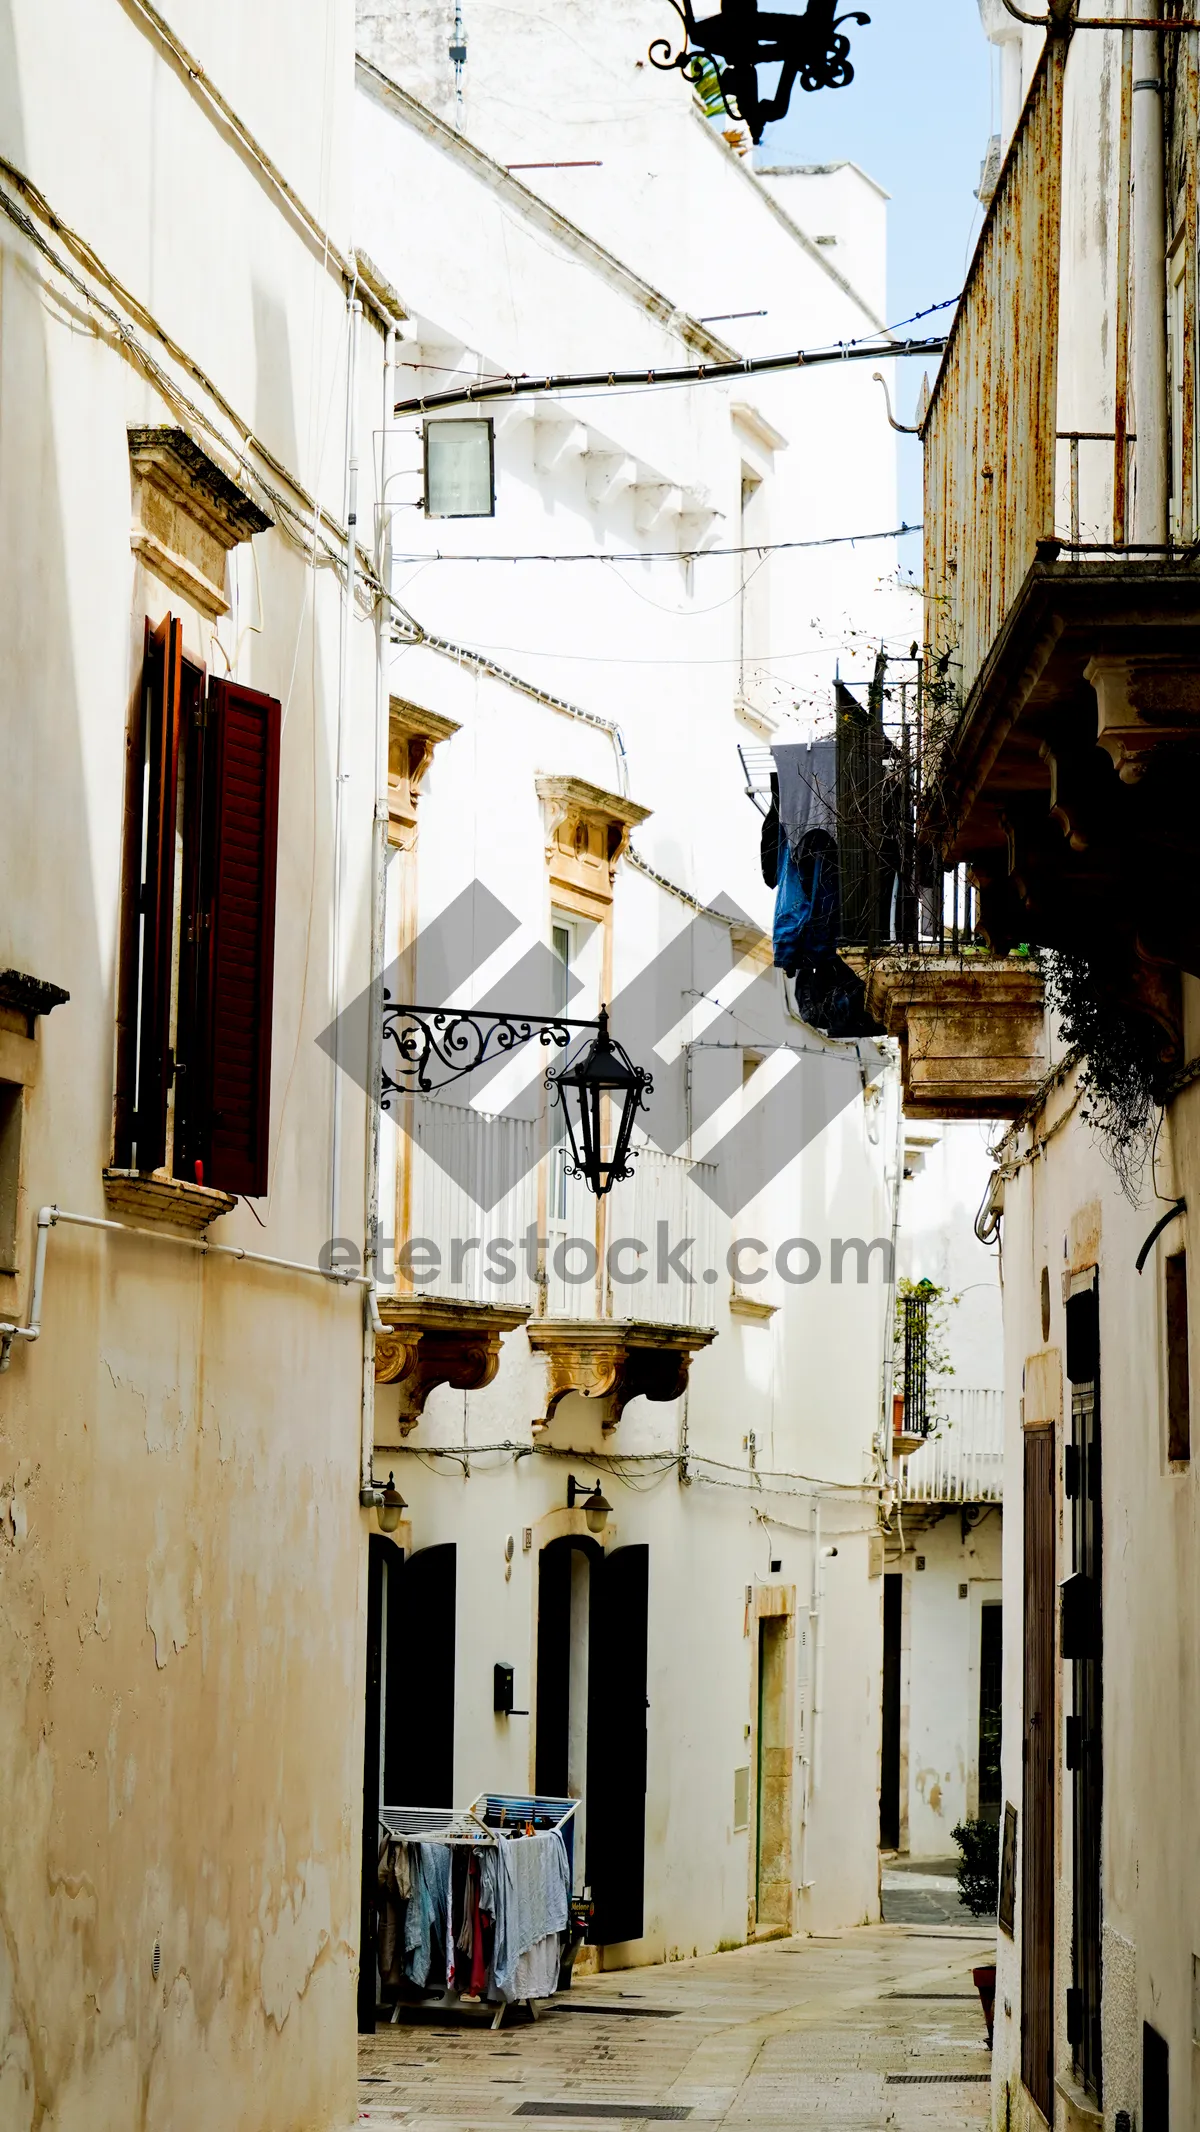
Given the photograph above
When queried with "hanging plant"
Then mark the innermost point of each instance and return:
(1122, 1062)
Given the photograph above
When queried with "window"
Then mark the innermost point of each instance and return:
(201, 829)
(12, 1106)
(1179, 1394)
(459, 470)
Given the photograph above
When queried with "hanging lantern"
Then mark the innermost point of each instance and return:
(604, 1072)
(735, 42)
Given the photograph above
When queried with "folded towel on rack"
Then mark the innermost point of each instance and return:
(530, 1883)
(536, 1973)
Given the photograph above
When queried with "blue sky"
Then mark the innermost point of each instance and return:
(917, 117)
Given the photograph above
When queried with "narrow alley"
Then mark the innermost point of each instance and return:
(879, 2026)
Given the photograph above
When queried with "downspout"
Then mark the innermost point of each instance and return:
(372, 1323)
(32, 1329)
(345, 674)
(1149, 292)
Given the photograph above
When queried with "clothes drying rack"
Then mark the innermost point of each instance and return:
(492, 1818)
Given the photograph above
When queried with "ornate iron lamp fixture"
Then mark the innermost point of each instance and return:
(436, 1046)
(810, 48)
(604, 1070)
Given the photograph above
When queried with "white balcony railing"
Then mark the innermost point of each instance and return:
(964, 1461)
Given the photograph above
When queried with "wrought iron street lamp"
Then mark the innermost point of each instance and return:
(429, 1048)
(810, 48)
(604, 1073)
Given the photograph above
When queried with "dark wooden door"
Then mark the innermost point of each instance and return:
(616, 1763)
(1083, 1645)
(991, 1672)
(1038, 1756)
(889, 1758)
(418, 1746)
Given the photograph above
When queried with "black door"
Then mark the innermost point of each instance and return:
(1083, 1646)
(616, 1764)
(991, 1682)
(889, 1758)
(418, 1745)
(408, 1734)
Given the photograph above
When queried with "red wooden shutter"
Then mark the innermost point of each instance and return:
(244, 768)
(162, 680)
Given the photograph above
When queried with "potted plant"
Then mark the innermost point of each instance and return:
(979, 1890)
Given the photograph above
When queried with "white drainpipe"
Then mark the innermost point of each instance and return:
(49, 1218)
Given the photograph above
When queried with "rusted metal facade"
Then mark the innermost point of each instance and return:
(989, 430)
(1181, 77)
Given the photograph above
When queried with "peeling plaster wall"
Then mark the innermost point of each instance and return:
(180, 1548)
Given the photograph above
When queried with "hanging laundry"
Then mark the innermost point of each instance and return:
(427, 1920)
(538, 1897)
(808, 795)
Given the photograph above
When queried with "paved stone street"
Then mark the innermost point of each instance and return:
(878, 2027)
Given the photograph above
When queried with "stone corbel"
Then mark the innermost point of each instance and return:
(605, 472)
(1141, 703)
(430, 1340)
(413, 734)
(613, 1361)
(587, 830)
(187, 515)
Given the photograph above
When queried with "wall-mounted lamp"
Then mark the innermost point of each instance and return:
(390, 1506)
(596, 1507)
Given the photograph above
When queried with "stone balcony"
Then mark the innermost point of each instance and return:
(1069, 783)
(971, 1030)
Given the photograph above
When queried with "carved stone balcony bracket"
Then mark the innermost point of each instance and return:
(1140, 704)
(613, 1361)
(587, 829)
(1070, 783)
(972, 1031)
(413, 734)
(431, 1340)
(187, 514)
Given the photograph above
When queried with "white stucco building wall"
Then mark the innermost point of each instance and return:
(757, 1492)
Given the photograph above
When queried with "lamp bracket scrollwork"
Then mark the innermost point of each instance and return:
(426, 1049)
(810, 48)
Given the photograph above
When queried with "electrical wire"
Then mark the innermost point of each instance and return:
(748, 1482)
(665, 555)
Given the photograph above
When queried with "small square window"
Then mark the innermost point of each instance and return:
(459, 470)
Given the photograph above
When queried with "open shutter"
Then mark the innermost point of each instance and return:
(244, 837)
(162, 675)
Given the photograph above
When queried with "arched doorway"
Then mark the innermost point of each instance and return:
(591, 1719)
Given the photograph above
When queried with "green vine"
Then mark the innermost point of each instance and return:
(1121, 1063)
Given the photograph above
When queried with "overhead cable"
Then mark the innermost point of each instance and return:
(518, 387)
(663, 555)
